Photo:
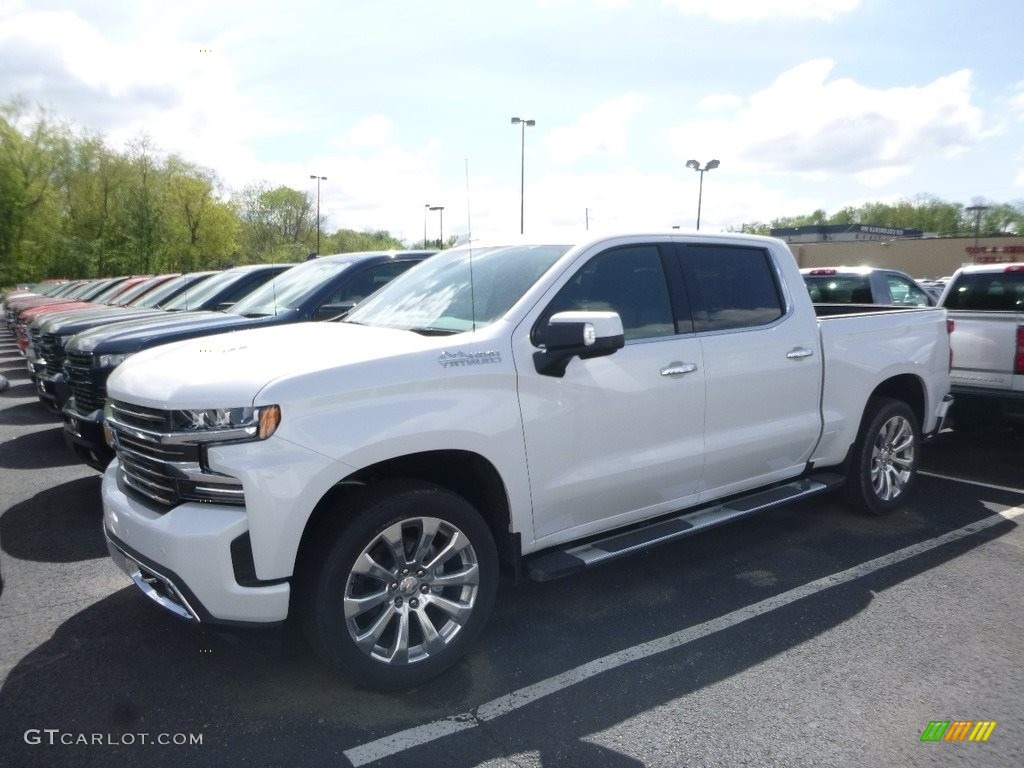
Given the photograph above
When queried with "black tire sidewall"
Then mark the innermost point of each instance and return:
(378, 509)
(860, 492)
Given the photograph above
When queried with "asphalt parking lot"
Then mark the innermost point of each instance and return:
(806, 636)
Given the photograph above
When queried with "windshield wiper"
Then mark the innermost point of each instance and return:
(427, 331)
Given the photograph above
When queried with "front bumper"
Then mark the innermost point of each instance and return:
(52, 389)
(83, 433)
(181, 558)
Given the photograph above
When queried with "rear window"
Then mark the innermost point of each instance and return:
(838, 289)
(736, 287)
(992, 291)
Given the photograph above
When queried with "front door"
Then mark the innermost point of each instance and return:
(618, 438)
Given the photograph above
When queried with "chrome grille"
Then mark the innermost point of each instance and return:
(51, 351)
(167, 473)
(89, 392)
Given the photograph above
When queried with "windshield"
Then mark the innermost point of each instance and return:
(138, 289)
(110, 290)
(436, 295)
(196, 295)
(290, 289)
(988, 291)
(155, 297)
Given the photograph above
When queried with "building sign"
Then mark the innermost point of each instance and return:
(996, 254)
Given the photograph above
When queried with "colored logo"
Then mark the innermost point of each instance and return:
(958, 730)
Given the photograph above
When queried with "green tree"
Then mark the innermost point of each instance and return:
(28, 164)
(201, 230)
(145, 219)
(278, 224)
(350, 241)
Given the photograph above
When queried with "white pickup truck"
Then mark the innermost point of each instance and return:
(545, 407)
(986, 307)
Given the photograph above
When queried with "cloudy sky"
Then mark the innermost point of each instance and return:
(807, 103)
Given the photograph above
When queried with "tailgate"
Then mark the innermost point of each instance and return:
(984, 349)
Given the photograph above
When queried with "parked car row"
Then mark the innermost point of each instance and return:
(985, 307)
(73, 338)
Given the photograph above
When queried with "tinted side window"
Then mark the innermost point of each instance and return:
(630, 281)
(997, 291)
(838, 289)
(735, 287)
(904, 293)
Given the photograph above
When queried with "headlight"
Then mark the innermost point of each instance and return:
(108, 436)
(111, 361)
(251, 423)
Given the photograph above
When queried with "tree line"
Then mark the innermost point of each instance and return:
(72, 206)
(926, 213)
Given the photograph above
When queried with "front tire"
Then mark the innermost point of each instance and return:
(404, 586)
(882, 471)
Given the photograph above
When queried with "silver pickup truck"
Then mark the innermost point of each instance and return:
(986, 306)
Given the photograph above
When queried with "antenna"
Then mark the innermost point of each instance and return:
(469, 226)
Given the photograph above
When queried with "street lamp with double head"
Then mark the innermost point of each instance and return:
(711, 165)
(440, 224)
(522, 164)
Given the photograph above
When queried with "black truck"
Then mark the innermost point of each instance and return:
(212, 291)
(320, 289)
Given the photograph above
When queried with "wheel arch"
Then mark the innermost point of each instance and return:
(465, 473)
(907, 387)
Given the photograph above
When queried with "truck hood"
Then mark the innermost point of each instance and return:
(56, 322)
(133, 335)
(228, 370)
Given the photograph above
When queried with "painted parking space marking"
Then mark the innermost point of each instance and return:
(972, 482)
(423, 734)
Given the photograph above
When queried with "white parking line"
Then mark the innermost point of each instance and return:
(972, 482)
(423, 734)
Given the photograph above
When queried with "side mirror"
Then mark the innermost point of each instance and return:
(577, 334)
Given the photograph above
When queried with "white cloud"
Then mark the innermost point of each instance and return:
(757, 10)
(373, 131)
(1017, 102)
(603, 130)
(718, 102)
(805, 122)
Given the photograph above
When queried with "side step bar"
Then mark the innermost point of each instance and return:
(557, 563)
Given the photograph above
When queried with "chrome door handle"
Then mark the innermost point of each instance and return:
(799, 352)
(678, 369)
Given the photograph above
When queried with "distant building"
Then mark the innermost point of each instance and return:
(844, 233)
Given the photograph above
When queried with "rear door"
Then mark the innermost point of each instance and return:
(762, 368)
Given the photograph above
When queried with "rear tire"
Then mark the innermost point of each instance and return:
(403, 587)
(882, 470)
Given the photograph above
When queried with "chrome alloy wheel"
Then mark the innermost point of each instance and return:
(411, 590)
(892, 458)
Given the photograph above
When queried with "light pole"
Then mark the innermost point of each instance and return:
(426, 207)
(318, 180)
(440, 224)
(711, 165)
(977, 210)
(522, 164)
